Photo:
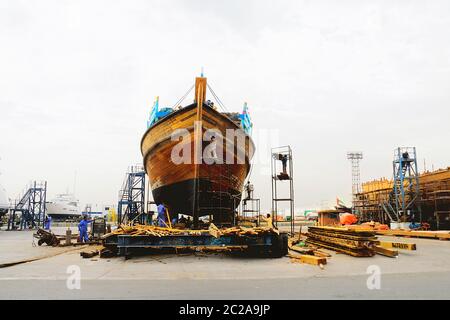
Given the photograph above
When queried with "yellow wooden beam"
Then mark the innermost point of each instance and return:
(386, 251)
(306, 258)
(416, 234)
(397, 245)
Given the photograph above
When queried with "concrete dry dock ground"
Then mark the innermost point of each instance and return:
(424, 273)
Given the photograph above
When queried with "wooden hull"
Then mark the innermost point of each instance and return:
(219, 186)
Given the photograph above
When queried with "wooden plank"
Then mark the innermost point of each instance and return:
(302, 250)
(342, 229)
(386, 251)
(417, 234)
(397, 245)
(306, 258)
(322, 254)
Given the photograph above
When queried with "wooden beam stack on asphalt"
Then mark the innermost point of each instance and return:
(357, 242)
(354, 242)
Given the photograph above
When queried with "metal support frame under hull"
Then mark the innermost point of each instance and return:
(126, 244)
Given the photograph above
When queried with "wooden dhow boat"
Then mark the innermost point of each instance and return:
(197, 158)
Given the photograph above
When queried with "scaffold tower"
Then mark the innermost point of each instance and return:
(355, 157)
(250, 206)
(406, 184)
(283, 156)
(29, 211)
(131, 206)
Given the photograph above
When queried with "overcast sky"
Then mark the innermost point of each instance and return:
(78, 78)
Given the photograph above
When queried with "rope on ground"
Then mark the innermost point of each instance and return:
(10, 264)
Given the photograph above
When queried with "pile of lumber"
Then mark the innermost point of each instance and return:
(243, 231)
(139, 230)
(306, 254)
(354, 242)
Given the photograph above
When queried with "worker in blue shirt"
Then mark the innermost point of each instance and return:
(83, 228)
(48, 222)
(161, 217)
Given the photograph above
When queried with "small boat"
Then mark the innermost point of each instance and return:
(63, 206)
(197, 158)
(4, 203)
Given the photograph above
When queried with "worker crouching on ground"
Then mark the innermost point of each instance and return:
(83, 229)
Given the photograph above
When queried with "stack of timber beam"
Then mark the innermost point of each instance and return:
(357, 243)
(139, 230)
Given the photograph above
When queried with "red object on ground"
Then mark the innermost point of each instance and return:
(348, 218)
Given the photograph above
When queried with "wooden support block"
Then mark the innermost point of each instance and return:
(386, 251)
(397, 245)
(302, 250)
(306, 258)
(322, 254)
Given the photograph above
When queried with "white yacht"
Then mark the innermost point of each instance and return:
(63, 206)
(4, 203)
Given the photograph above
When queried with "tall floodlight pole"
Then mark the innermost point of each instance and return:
(355, 157)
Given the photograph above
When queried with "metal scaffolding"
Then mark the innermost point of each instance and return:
(355, 157)
(31, 206)
(250, 206)
(282, 155)
(442, 208)
(214, 197)
(406, 184)
(131, 206)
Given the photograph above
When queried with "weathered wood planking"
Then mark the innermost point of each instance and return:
(157, 149)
